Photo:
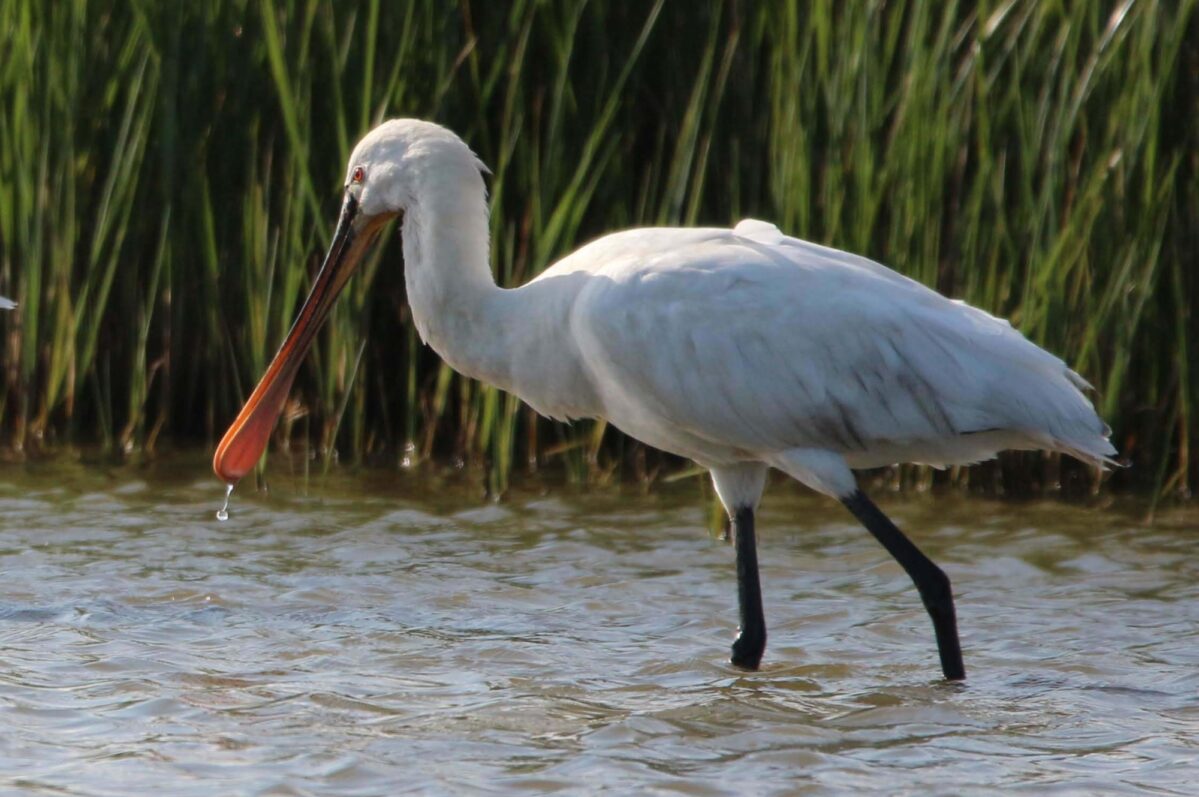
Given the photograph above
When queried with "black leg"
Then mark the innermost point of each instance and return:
(751, 638)
(930, 580)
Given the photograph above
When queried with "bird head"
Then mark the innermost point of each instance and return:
(403, 161)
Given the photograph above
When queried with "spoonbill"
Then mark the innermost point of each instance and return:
(743, 349)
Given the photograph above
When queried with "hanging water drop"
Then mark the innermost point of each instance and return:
(223, 512)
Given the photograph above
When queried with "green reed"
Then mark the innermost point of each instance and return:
(170, 173)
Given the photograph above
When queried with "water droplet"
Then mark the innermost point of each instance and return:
(223, 512)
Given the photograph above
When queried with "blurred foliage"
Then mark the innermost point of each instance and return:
(169, 174)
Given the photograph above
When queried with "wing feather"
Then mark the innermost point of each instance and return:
(756, 342)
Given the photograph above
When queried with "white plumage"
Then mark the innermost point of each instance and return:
(725, 346)
(744, 345)
(742, 349)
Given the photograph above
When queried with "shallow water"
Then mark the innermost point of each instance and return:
(381, 633)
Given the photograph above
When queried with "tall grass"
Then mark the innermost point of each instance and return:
(169, 174)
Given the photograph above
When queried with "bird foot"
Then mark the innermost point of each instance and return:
(748, 650)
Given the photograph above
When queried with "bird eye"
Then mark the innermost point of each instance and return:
(358, 175)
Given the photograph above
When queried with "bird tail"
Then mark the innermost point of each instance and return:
(1083, 434)
(1100, 453)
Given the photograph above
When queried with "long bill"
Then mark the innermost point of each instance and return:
(247, 437)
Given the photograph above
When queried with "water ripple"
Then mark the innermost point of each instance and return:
(390, 635)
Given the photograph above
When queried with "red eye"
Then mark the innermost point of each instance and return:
(358, 175)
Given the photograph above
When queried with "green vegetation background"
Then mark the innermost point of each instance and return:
(170, 172)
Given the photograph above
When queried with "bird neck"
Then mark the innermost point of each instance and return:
(453, 297)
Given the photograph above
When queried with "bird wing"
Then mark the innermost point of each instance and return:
(757, 342)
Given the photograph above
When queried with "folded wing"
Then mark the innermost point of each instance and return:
(758, 342)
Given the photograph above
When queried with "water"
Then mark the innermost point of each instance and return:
(386, 633)
(223, 512)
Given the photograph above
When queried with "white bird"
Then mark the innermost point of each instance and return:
(743, 349)
(7, 304)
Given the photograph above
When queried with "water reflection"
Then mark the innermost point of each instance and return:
(356, 633)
